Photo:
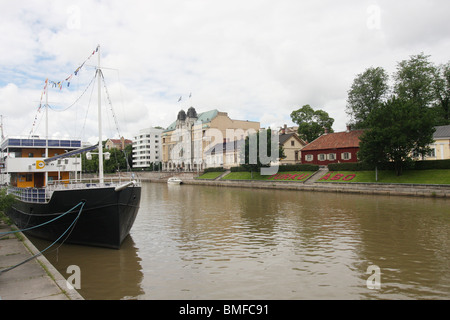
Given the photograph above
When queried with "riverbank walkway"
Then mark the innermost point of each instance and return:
(36, 279)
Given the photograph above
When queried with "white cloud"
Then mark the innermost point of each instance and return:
(256, 60)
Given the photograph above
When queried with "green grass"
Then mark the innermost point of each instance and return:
(210, 175)
(408, 176)
(258, 176)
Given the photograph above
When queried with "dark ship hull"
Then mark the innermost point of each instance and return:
(105, 219)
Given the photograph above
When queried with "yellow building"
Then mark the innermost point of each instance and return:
(441, 146)
(186, 141)
(292, 146)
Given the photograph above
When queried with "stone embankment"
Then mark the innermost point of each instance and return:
(422, 190)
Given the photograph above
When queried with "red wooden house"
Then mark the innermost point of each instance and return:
(333, 148)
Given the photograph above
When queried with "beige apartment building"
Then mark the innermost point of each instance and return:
(188, 141)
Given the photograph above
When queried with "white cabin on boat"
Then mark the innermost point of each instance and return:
(23, 160)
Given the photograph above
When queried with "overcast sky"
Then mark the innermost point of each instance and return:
(257, 60)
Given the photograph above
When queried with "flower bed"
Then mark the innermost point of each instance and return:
(297, 176)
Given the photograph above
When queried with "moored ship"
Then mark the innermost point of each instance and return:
(53, 202)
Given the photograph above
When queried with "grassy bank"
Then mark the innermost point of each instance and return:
(298, 176)
(408, 176)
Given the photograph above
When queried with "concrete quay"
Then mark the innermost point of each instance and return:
(390, 189)
(436, 191)
(36, 279)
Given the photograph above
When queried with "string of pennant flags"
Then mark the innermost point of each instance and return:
(59, 84)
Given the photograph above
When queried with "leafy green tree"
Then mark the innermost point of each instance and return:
(414, 80)
(368, 91)
(442, 92)
(249, 152)
(116, 162)
(311, 123)
(397, 130)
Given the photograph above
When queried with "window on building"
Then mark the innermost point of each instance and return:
(292, 143)
(332, 156)
(309, 157)
(322, 157)
(346, 156)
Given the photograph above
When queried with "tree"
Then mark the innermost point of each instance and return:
(414, 80)
(368, 91)
(117, 161)
(397, 130)
(249, 151)
(442, 91)
(311, 123)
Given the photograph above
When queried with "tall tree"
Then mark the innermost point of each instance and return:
(442, 92)
(251, 152)
(397, 130)
(368, 91)
(414, 80)
(311, 123)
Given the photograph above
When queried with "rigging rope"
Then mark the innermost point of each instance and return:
(41, 252)
(115, 120)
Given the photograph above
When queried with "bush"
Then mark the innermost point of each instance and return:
(283, 168)
(239, 169)
(6, 200)
(214, 169)
(298, 167)
(432, 164)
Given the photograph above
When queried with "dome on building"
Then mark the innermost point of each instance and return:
(192, 113)
(181, 115)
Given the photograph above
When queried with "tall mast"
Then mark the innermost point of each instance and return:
(100, 142)
(1, 126)
(46, 129)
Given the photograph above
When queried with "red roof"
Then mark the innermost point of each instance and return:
(335, 141)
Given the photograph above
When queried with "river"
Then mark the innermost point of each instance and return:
(205, 242)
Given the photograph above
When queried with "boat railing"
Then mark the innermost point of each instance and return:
(88, 183)
(42, 195)
(36, 195)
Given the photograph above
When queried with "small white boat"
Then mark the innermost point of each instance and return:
(174, 180)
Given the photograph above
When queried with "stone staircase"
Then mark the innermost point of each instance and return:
(223, 175)
(317, 175)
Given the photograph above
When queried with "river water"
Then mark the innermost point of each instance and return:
(205, 242)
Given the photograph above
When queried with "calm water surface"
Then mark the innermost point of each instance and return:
(201, 242)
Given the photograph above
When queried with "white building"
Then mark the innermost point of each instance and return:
(147, 147)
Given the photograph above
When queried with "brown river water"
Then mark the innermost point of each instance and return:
(205, 242)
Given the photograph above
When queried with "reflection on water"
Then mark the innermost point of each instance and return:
(201, 242)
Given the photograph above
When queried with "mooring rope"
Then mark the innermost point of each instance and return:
(42, 224)
(41, 252)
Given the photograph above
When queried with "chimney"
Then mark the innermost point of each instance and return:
(326, 130)
(349, 128)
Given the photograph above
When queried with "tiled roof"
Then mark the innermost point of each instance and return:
(335, 140)
(287, 136)
(442, 132)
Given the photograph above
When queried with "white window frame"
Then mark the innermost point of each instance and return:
(331, 156)
(322, 157)
(309, 157)
(343, 156)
